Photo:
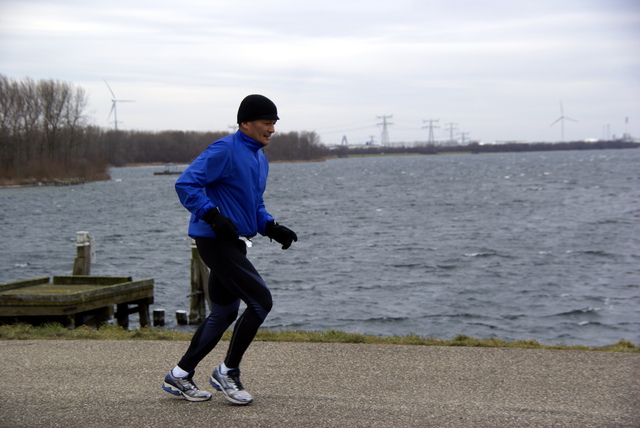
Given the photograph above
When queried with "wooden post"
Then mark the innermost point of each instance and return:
(158, 317)
(143, 312)
(141, 307)
(199, 287)
(181, 317)
(122, 315)
(82, 263)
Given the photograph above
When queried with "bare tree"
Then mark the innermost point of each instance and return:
(74, 122)
(40, 122)
(54, 97)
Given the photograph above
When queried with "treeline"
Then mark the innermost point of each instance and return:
(136, 147)
(45, 135)
(540, 147)
(295, 146)
(484, 148)
(43, 131)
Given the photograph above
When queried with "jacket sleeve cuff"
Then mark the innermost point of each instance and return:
(262, 224)
(202, 211)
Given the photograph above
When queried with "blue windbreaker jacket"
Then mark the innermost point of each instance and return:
(230, 174)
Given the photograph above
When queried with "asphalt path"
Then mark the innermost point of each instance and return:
(60, 383)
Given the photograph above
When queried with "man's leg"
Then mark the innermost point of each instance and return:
(240, 279)
(224, 310)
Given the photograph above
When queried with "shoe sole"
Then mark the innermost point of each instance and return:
(214, 382)
(175, 391)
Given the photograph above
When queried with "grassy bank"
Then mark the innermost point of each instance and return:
(57, 332)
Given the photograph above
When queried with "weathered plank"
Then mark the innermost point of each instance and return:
(23, 283)
(70, 295)
(86, 279)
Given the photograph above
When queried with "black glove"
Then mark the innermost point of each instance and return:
(281, 234)
(224, 228)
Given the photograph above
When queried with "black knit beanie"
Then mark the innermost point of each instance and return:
(255, 107)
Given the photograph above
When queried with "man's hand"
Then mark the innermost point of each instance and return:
(224, 228)
(281, 234)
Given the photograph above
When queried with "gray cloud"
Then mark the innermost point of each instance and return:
(498, 69)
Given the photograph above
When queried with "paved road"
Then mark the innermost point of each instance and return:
(117, 384)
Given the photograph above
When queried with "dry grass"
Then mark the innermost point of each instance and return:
(58, 332)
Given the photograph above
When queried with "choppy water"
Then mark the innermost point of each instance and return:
(515, 246)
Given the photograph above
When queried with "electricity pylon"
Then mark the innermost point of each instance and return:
(431, 126)
(452, 127)
(384, 137)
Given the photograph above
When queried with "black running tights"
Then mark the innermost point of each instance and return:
(232, 278)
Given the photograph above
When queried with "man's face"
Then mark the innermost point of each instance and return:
(259, 130)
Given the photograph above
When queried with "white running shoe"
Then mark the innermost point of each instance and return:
(231, 386)
(184, 386)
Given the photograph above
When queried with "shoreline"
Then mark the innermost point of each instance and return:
(12, 332)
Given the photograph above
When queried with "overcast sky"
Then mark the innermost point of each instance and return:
(496, 69)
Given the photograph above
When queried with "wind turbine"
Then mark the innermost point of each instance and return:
(561, 119)
(114, 110)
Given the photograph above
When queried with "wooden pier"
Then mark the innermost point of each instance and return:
(84, 299)
(75, 300)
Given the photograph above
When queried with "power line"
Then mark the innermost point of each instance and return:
(345, 127)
